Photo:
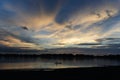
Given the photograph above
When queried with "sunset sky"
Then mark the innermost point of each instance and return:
(44, 24)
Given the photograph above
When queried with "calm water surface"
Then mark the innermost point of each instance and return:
(45, 63)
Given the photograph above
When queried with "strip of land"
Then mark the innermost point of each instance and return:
(94, 73)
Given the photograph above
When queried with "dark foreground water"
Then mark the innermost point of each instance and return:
(53, 63)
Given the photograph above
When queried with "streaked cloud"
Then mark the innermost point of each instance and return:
(58, 23)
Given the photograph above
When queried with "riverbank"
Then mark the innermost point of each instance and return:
(62, 74)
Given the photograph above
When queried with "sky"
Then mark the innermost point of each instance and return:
(46, 24)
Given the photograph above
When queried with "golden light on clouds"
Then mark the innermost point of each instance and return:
(62, 24)
(14, 42)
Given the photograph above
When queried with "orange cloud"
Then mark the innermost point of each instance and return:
(14, 42)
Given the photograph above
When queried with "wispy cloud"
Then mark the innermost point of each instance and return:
(58, 23)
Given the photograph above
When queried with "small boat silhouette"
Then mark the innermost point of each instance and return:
(58, 63)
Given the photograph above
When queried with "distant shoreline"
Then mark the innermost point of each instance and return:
(62, 56)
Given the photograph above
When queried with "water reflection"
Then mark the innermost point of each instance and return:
(45, 63)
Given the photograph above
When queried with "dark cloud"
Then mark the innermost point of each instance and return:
(114, 46)
(108, 39)
(89, 44)
(7, 50)
(109, 12)
(104, 43)
(25, 28)
(109, 46)
(97, 14)
(69, 27)
(109, 43)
